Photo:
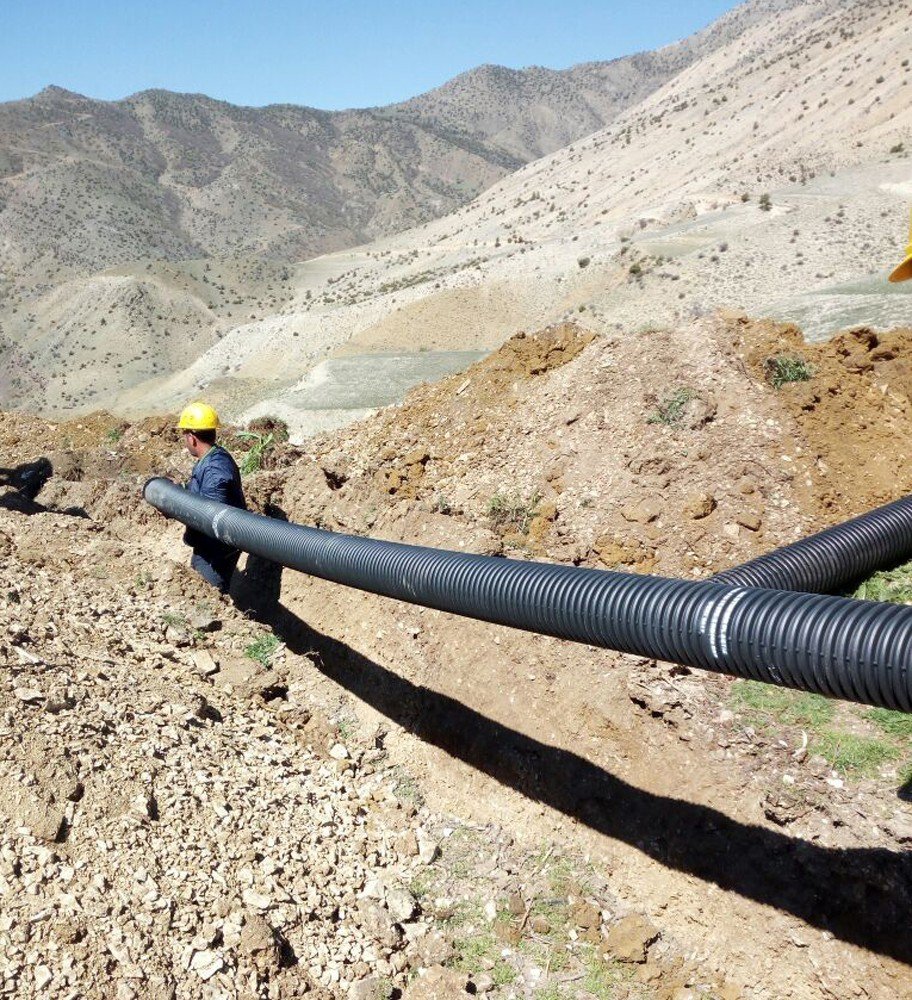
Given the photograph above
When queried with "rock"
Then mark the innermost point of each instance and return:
(43, 976)
(438, 983)
(433, 949)
(206, 964)
(401, 904)
(338, 752)
(611, 551)
(29, 695)
(376, 920)
(259, 943)
(697, 412)
(237, 671)
(585, 914)
(204, 664)
(256, 900)
(698, 505)
(371, 988)
(427, 850)
(643, 512)
(629, 939)
(205, 621)
(58, 700)
(750, 520)
(417, 456)
(407, 844)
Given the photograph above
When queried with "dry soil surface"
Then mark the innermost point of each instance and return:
(309, 791)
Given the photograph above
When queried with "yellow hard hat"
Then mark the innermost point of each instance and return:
(904, 271)
(198, 417)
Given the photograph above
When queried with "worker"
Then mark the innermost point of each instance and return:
(904, 271)
(215, 477)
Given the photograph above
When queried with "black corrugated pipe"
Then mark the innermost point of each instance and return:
(834, 557)
(857, 650)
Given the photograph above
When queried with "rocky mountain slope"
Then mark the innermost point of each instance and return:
(87, 184)
(797, 107)
(308, 791)
(771, 176)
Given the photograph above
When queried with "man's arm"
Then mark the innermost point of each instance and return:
(217, 483)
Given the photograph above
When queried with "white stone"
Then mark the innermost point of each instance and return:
(206, 964)
(256, 899)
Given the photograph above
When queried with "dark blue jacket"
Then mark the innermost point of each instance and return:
(215, 477)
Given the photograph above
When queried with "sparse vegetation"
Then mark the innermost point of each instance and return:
(263, 649)
(252, 461)
(513, 512)
(889, 735)
(671, 409)
(889, 585)
(784, 368)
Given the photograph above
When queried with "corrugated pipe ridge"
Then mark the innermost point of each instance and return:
(834, 557)
(857, 650)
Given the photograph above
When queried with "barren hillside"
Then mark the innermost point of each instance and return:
(770, 175)
(87, 184)
(341, 796)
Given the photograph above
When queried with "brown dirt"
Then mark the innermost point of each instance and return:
(855, 413)
(776, 878)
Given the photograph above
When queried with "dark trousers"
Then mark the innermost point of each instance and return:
(216, 568)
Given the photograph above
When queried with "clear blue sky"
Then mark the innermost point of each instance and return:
(332, 55)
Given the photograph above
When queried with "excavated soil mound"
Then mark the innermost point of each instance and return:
(314, 791)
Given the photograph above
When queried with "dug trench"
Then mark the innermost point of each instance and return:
(330, 791)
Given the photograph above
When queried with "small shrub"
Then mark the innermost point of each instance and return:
(263, 649)
(513, 512)
(765, 203)
(584, 261)
(253, 460)
(783, 368)
(898, 148)
(671, 410)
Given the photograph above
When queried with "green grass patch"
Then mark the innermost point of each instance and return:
(851, 754)
(262, 649)
(609, 980)
(893, 585)
(897, 724)
(406, 788)
(553, 991)
(784, 368)
(476, 949)
(765, 703)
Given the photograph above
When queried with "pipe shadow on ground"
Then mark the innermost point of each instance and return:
(860, 895)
